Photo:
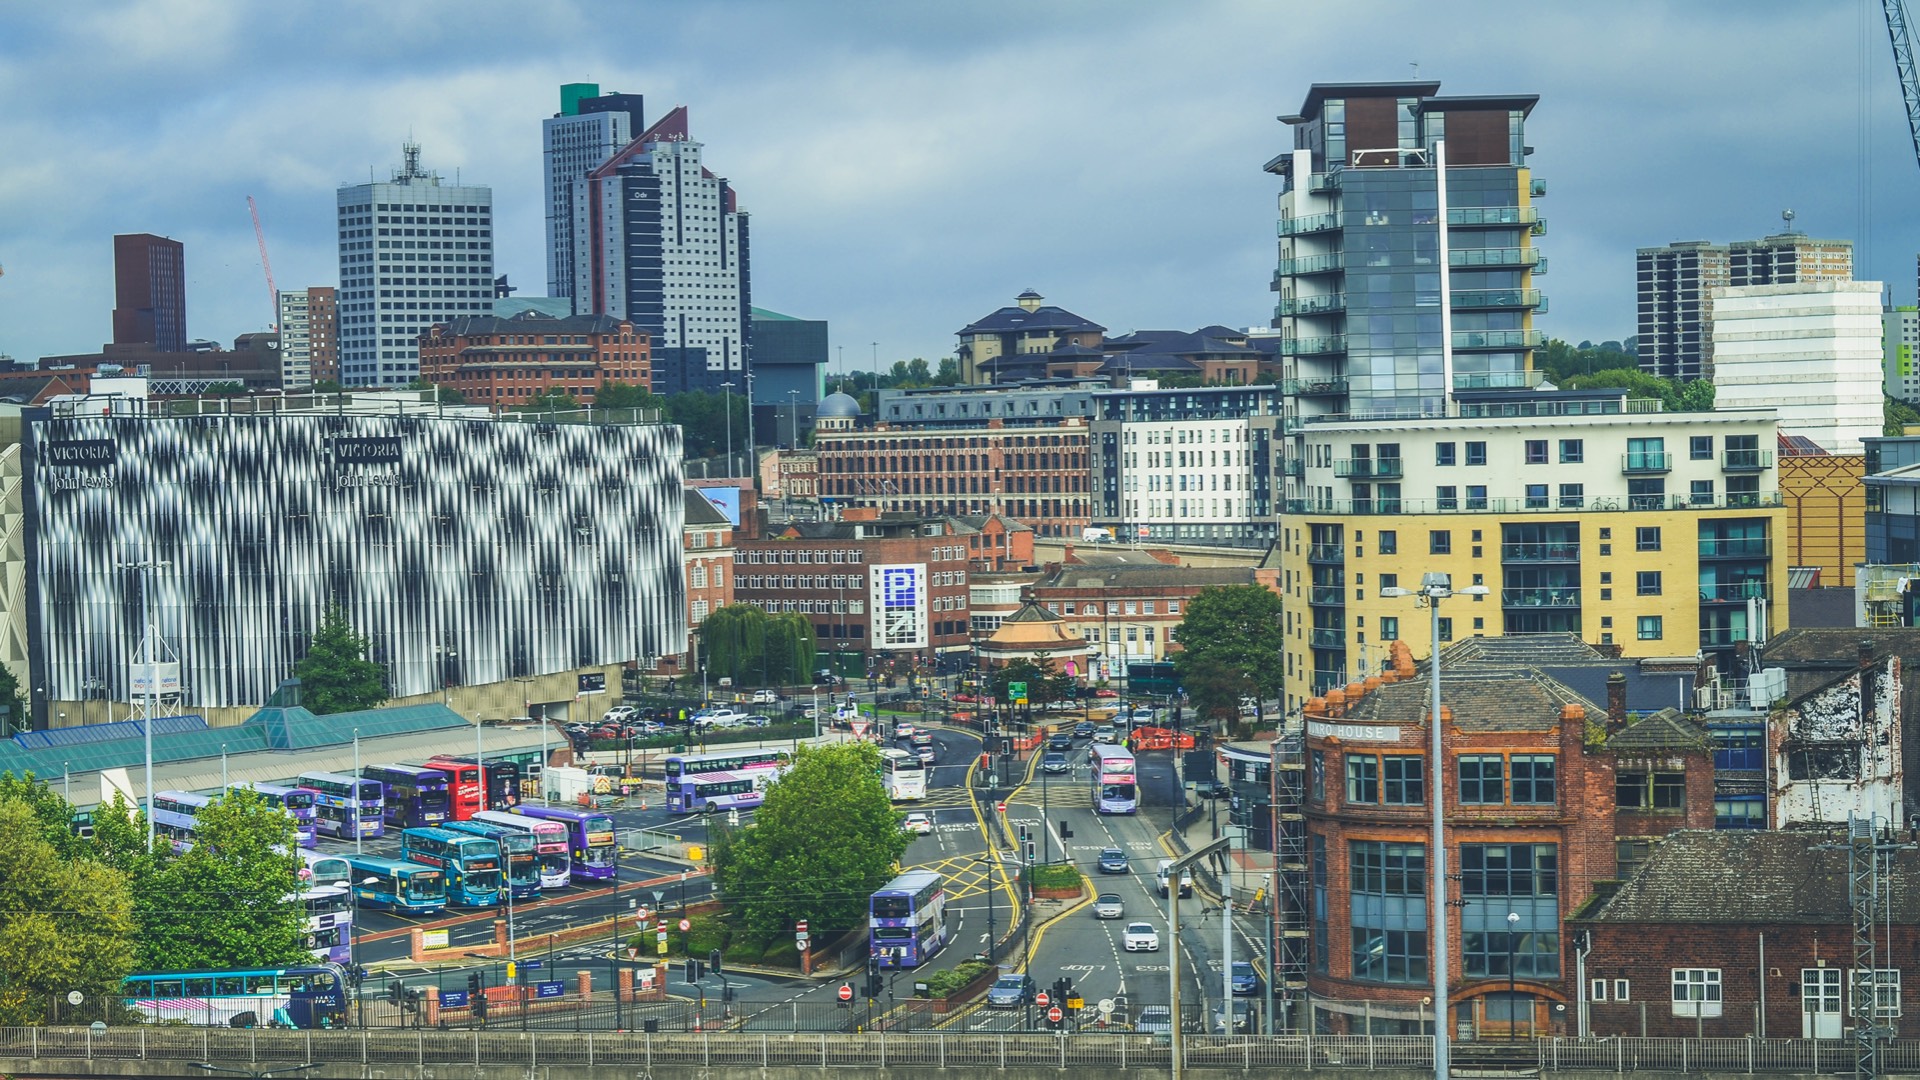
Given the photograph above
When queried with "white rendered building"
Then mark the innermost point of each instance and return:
(1813, 350)
(586, 131)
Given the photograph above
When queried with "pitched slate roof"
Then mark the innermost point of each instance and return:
(1751, 876)
(1144, 575)
(1667, 729)
(1580, 666)
(1013, 319)
(1480, 699)
(701, 512)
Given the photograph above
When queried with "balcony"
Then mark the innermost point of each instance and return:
(1738, 592)
(1498, 339)
(1568, 597)
(1290, 425)
(1747, 460)
(1721, 637)
(1327, 596)
(1745, 547)
(1540, 552)
(1392, 468)
(1646, 463)
(1292, 466)
(1315, 387)
(1332, 554)
(1497, 380)
(1313, 223)
(1331, 263)
(1313, 346)
(1478, 299)
(1510, 256)
(1492, 215)
(1537, 189)
(1310, 305)
(1327, 639)
(1518, 505)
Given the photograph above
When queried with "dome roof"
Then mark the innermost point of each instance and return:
(837, 405)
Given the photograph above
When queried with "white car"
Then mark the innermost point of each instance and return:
(719, 718)
(619, 714)
(765, 697)
(903, 730)
(1141, 937)
(919, 822)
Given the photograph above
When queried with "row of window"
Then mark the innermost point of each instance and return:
(1121, 607)
(1440, 541)
(1400, 779)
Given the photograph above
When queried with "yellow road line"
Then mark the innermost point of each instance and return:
(1039, 932)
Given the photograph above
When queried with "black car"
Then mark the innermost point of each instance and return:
(1060, 740)
(1212, 789)
(1114, 861)
(1054, 762)
(1083, 730)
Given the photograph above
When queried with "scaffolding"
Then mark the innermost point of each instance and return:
(1870, 852)
(1292, 894)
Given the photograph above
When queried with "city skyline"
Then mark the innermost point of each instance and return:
(909, 171)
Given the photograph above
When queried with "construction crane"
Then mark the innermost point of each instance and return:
(273, 294)
(1897, 22)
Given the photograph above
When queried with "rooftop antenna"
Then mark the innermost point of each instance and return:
(1415, 65)
(1787, 216)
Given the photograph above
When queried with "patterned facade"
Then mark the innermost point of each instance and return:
(518, 549)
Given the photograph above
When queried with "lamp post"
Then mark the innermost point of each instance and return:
(1435, 587)
(1513, 997)
(726, 389)
(357, 830)
(149, 672)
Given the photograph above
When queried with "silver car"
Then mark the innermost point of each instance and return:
(1108, 906)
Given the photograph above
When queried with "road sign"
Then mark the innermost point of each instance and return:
(1054, 1014)
(800, 926)
(685, 925)
(801, 941)
(532, 965)
(554, 989)
(1041, 999)
(453, 999)
(1106, 1006)
(846, 991)
(1002, 807)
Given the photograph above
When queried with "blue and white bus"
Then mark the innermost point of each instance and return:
(346, 806)
(907, 920)
(516, 850)
(1115, 785)
(549, 844)
(329, 914)
(413, 797)
(398, 885)
(707, 793)
(173, 814)
(301, 997)
(471, 863)
(324, 870)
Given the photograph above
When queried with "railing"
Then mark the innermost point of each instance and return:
(1312, 223)
(1292, 466)
(1492, 215)
(1326, 553)
(1510, 256)
(1388, 468)
(1498, 339)
(1738, 592)
(1314, 387)
(1720, 637)
(1311, 305)
(1747, 460)
(1623, 1054)
(1310, 346)
(1332, 595)
(1466, 299)
(1646, 462)
(1744, 547)
(1311, 264)
(1469, 505)
(1556, 598)
(1327, 639)
(1540, 552)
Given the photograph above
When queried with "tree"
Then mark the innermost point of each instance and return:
(745, 644)
(1896, 416)
(823, 841)
(550, 401)
(1230, 629)
(949, 373)
(231, 901)
(619, 395)
(68, 923)
(335, 675)
(1043, 684)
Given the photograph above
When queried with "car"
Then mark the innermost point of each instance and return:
(1106, 733)
(1242, 1019)
(1108, 906)
(922, 737)
(824, 677)
(1103, 692)
(1010, 991)
(645, 728)
(1245, 979)
(765, 697)
(1140, 715)
(1060, 740)
(919, 822)
(1083, 730)
(1154, 1020)
(619, 713)
(756, 720)
(903, 730)
(1054, 762)
(1140, 937)
(1114, 861)
(964, 698)
(926, 754)
(807, 712)
(1166, 869)
(1212, 789)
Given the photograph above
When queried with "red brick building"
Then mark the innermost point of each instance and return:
(1745, 932)
(1126, 604)
(505, 362)
(323, 333)
(1037, 473)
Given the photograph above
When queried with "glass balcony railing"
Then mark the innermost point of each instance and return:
(1721, 637)
(1326, 553)
(1292, 466)
(1738, 592)
(1369, 468)
(1507, 256)
(1313, 346)
(1537, 189)
(1646, 463)
(1474, 299)
(1497, 380)
(1310, 305)
(1743, 547)
(1327, 595)
(1312, 223)
(1533, 598)
(1498, 339)
(1747, 460)
(1540, 552)
(1311, 264)
(1470, 505)
(1328, 639)
(1492, 215)
(1314, 387)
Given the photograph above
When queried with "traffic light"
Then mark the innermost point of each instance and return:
(480, 1005)
(473, 982)
(393, 993)
(713, 961)
(693, 971)
(1066, 831)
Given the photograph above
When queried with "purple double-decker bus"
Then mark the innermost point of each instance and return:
(589, 839)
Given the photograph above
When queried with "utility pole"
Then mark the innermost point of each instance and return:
(1174, 870)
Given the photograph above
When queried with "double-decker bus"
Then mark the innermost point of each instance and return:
(1115, 789)
(471, 863)
(414, 797)
(907, 920)
(326, 869)
(299, 997)
(329, 922)
(549, 844)
(296, 801)
(345, 806)
(719, 761)
(494, 783)
(709, 792)
(173, 814)
(397, 885)
(904, 773)
(516, 850)
(590, 840)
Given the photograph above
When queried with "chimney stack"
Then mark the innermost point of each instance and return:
(1617, 701)
(1866, 653)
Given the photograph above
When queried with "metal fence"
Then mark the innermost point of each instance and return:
(1623, 1054)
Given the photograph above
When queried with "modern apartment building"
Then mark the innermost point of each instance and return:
(1196, 466)
(149, 292)
(586, 131)
(1675, 286)
(413, 252)
(1361, 272)
(1900, 344)
(1812, 351)
(1659, 533)
(309, 342)
(504, 362)
(668, 251)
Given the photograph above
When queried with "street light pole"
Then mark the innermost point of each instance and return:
(726, 400)
(357, 830)
(1513, 997)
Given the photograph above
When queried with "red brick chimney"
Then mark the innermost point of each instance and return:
(1616, 701)
(1866, 653)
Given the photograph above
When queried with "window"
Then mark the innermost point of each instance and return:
(1573, 496)
(1532, 779)
(1660, 791)
(1476, 496)
(1740, 811)
(1700, 447)
(1446, 629)
(1647, 455)
(1597, 990)
(1390, 628)
(1502, 880)
(1620, 990)
(1363, 778)
(1649, 628)
(1700, 492)
(1646, 538)
(1572, 451)
(1536, 451)
(1389, 542)
(1669, 791)
(1476, 453)
(1885, 983)
(1738, 747)
(1446, 497)
(1387, 894)
(1696, 992)
(1317, 777)
(1483, 780)
(1647, 582)
(1443, 453)
(1319, 872)
(1439, 542)
(1406, 783)
(1536, 496)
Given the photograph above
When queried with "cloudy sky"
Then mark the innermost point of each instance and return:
(911, 166)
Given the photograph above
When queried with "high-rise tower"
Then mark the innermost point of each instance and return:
(586, 131)
(1675, 284)
(149, 292)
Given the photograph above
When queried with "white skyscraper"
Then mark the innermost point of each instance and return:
(413, 252)
(586, 131)
(670, 252)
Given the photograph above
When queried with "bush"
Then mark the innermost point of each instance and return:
(1057, 876)
(944, 983)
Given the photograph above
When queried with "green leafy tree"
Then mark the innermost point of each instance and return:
(949, 373)
(1043, 684)
(1897, 415)
(65, 924)
(327, 386)
(550, 401)
(747, 645)
(824, 840)
(619, 395)
(335, 675)
(231, 900)
(1230, 629)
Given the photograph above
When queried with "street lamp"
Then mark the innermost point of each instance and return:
(353, 944)
(727, 404)
(1435, 587)
(1513, 998)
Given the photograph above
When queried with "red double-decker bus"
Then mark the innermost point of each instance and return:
(466, 787)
